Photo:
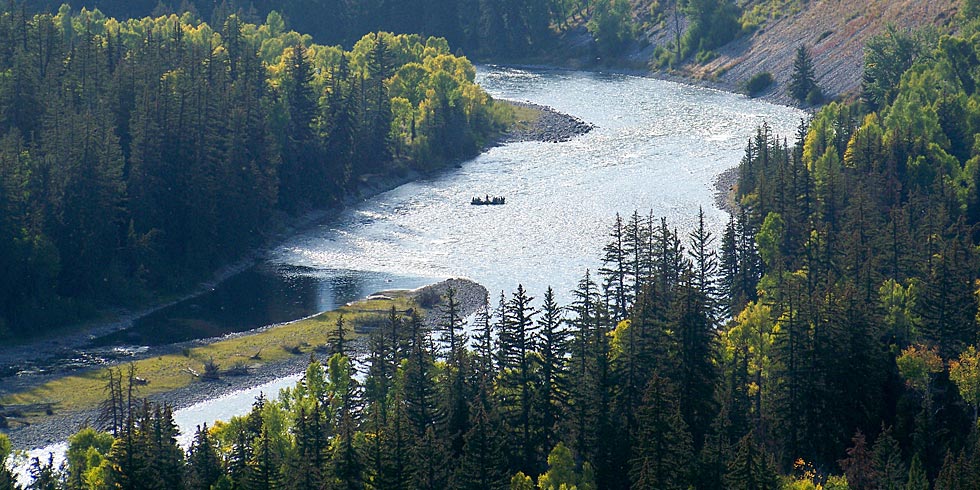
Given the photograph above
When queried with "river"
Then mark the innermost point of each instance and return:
(658, 147)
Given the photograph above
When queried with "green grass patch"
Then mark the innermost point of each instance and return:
(169, 372)
(523, 117)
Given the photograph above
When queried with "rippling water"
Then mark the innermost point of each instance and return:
(658, 147)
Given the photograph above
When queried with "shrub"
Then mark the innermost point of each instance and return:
(211, 369)
(705, 56)
(759, 83)
(815, 97)
(428, 297)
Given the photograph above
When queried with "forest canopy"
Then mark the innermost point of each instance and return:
(138, 155)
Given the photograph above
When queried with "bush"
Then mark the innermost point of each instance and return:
(815, 97)
(211, 369)
(428, 297)
(663, 56)
(759, 83)
(705, 56)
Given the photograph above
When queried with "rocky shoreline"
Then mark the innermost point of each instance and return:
(470, 295)
(551, 127)
(725, 184)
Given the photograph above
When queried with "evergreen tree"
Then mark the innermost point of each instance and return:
(483, 464)
(554, 351)
(203, 463)
(751, 469)
(917, 475)
(519, 379)
(664, 454)
(615, 269)
(263, 468)
(859, 465)
(458, 390)
(803, 85)
(695, 377)
(348, 467)
(888, 466)
(299, 175)
(705, 265)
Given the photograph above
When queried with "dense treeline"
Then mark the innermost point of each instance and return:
(137, 156)
(495, 29)
(489, 27)
(614, 391)
(861, 331)
(831, 339)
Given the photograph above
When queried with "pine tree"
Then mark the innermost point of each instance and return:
(554, 351)
(803, 85)
(348, 467)
(431, 461)
(166, 456)
(889, 469)
(669, 262)
(299, 176)
(732, 298)
(751, 469)
(377, 393)
(917, 475)
(519, 378)
(396, 441)
(485, 343)
(203, 464)
(705, 266)
(637, 252)
(453, 336)
(483, 464)
(263, 468)
(858, 466)
(696, 375)
(582, 324)
(421, 394)
(615, 269)
(305, 465)
(664, 455)
(458, 370)
(591, 423)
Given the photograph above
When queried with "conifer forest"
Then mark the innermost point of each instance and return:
(827, 338)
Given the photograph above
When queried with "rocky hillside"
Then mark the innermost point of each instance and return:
(834, 30)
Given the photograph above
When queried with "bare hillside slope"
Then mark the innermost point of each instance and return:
(834, 30)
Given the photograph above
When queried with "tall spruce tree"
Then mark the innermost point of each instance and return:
(803, 84)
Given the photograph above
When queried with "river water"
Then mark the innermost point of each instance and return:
(658, 147)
